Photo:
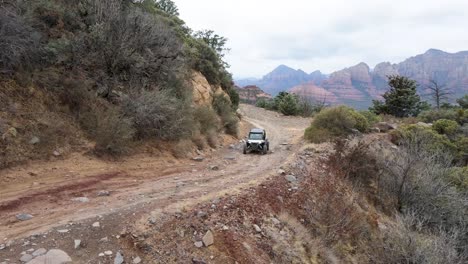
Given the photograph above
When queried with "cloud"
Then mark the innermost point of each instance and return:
(330, 34)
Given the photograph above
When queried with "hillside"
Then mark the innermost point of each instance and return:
(106, 78)
(358, 84)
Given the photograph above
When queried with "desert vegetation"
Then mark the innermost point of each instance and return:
(292, 105)
(117, 70)
(417, 179)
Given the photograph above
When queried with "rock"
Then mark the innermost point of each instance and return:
(230, 157)
(152, 220)
(56, 256)
(2, 246)
(199, 158)
(281, 172)
(355, 131)
(39, 252)
(275, 221)
(208, 239)
(24, 217)
(214, 168)
(199, 244)
(96, 224)
(103, 193)
(424, 124)
(56, 153)
(385, 127)
(104, 240)
(11, 132)
(257, 228)
(63, 231)
(199, 152)
(108, 253)
(232, 146)
(375, 130)
(291, 179)
(34, 141)
(198, 261)
(118, 258)
(136, 260)
(81, 199)
(26, 258)
(225, 228)
(201, 214)
(101, 255)
(77, 243)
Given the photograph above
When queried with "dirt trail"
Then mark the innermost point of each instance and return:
(46, 190)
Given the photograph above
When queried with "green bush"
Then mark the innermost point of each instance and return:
(223, 107)
(433, 115)
(425, 137)
(335, 122)
(371, 117)
(458, 176)
(207, 119)
(446, 127)
(288, 105)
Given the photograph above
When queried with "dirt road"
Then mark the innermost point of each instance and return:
(47, 190)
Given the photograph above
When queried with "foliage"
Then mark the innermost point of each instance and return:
(458, 176)
(288, 105)
(207, 119)
(167, 6)
(446, 127)
(401, 100)
(431, 116)
(114, 133)
(463, 101)
(371, 117)
(156, 114)
(335, 122)
(426, 138)
(223, 107)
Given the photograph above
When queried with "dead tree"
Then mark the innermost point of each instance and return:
(438, 92)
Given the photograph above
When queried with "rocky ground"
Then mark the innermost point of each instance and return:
(152, 208)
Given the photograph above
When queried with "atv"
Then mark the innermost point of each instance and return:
(257, 141)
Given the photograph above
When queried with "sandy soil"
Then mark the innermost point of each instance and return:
(137, 185)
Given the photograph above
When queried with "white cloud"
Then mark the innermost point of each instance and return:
(328, 34)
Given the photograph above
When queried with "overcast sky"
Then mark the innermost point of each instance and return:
(328, 35)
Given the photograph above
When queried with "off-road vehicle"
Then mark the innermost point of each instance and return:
(257, 141)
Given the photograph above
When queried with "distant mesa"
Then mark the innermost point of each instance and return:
(358, 85)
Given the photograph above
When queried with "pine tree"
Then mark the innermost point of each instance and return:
(288, 105)
(401, 100)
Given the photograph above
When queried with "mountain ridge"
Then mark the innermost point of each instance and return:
(358, 85)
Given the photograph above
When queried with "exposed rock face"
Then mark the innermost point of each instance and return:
(203, 92)
(252, 94)
(310, 90)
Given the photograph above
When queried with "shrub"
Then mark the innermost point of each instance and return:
(159, 115)
(458, 176)
(207, 119)
(181, 149)
(222, 105)
(424, 137)
(19, 44)
(114, 132)
(288, 105)
(335, 122)
(433, 115)
(371, 117)
(446, 127)
(463, 102)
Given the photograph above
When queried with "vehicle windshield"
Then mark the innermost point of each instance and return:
(255, 136)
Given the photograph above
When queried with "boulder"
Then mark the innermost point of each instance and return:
(118, 258)
(385, 126)
(24, 217)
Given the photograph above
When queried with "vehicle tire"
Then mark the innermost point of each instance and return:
(245, 150)
(268, 146)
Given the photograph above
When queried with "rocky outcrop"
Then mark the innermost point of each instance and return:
(317, 93)
(203, 92)
(251, 94)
